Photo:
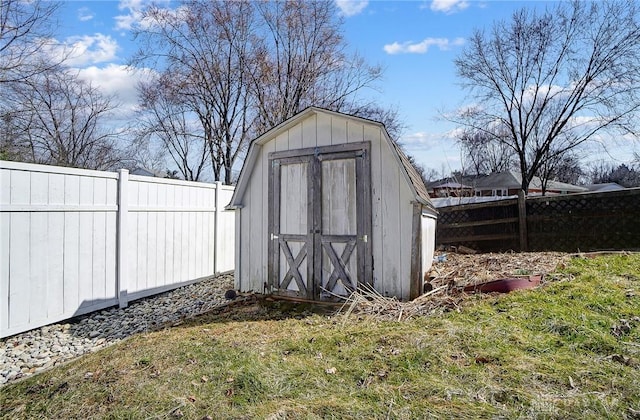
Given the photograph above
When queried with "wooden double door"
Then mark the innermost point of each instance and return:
(320, 221)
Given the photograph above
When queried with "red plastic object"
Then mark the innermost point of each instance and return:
(506, 285)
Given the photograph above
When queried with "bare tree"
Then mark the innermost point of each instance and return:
(563, 167)
(430, 174)
(205, 50)
(555, 79)
(26, 33)
(11, 145)
(485, 153)
(390, 117)
(603, 172)
(242, 67)
(58, 119)
(169, 122)
(570, 170)
(302, 61)
(420, 169)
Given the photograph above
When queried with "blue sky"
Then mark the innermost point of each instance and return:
(414, 41)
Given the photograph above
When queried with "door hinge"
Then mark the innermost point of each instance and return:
(274, 236)
(364, 239)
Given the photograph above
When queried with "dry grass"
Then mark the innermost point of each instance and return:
(569, 349)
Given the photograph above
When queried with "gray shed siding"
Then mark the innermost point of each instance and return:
(391, 196)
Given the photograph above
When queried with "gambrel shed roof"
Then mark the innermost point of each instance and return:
(414, 179)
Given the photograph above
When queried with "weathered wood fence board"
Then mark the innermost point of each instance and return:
(570, 223)
(491, 226)
(585, 222)
(75, 241)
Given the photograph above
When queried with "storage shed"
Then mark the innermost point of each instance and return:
(327, 202)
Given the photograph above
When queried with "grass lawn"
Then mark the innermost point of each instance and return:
(569, 349)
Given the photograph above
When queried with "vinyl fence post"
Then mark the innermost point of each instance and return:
(522, 221)
(121, 252)
(216, 227)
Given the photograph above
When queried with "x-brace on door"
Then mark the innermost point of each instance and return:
(320, 221)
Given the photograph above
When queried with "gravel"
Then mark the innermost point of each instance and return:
(34, 351)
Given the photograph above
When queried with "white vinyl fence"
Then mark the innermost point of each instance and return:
(75, 241)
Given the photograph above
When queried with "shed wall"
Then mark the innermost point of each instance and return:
(391, 203)
(428, 226)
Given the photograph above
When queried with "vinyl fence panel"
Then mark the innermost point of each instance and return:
(58, 229)
(75, 241)
(170, 226)
(225, 228)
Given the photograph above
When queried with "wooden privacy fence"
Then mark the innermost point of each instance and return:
(75, 241)
(568, 223)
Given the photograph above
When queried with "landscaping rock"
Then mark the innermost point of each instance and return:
(37, 350)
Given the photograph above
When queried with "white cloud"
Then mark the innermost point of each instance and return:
(85, 14)
(131, 4)
(437, 151)
(351, 7)
(422, 47)
(117, 81)
(449, 6)
(425, 141)
(89, 49)
(126, 22)
(133, 12)
(132, 16)
(84, 50)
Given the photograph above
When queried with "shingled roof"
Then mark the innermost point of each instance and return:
(414, 177)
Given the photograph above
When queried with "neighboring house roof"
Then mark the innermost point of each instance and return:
(608, 186)
(456, 201)
(415, 181)
(148, 172)
(450, 184)
(513, 180)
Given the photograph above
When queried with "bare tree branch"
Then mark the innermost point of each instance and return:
(26, 35)
(554, 80)
(60, 120)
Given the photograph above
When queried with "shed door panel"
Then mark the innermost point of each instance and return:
(339, 273)
(293, 198)
(319, 203)
(339, 197)
(291, 247)
(293, 275)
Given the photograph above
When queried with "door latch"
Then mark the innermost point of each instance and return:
(364, 239)
(274, 236)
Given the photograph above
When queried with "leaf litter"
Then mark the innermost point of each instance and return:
(445, 282)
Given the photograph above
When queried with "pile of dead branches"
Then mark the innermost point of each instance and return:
(368, 302)
(464, 270)
(449, 275)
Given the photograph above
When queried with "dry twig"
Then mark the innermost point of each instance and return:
(448, 278)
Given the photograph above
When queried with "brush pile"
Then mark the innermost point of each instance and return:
(370, 303)
(449, 274)
(463, 270)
